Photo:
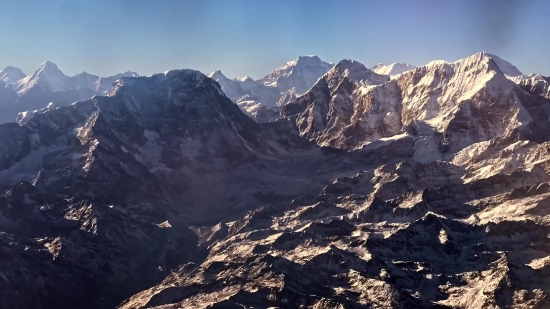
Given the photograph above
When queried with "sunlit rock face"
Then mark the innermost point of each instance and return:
(165, 194)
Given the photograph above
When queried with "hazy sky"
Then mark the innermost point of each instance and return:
(252, 37)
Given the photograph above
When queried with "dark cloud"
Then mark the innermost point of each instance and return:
(497, 21)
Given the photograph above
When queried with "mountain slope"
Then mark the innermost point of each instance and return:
(537, 84)
(506, 67)
(8, 96)
(47, 76)
(323, 113)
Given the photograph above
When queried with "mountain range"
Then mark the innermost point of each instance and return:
(427, 188)
(262, 99)
(48, 84)
(392, 69)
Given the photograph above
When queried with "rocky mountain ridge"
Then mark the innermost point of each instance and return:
(262, 99)
(465, 230)
(370, 192)
(462, 102)
(47, 84)
(393, 69)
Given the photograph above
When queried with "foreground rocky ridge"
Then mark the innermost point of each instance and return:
(166, 191)
(103, 191)
(405, 235)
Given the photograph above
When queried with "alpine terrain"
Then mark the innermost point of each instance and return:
(392, 69)
(391, 187)
(263, 99)
(48, 84)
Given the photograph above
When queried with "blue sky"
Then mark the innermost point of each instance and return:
(252, 37)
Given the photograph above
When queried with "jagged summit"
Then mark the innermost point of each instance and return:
(438, 96)
(504, 66)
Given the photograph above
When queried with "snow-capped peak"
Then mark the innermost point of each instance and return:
(217, 75)
(48, 66)
(392, 69)
(46, 76)
(357, 72)
(11, 74)
(244, 79)
(300, 73)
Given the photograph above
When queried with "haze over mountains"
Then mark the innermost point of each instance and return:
(318, 186)
(20, 92)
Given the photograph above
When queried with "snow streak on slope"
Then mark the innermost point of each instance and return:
(505, 66)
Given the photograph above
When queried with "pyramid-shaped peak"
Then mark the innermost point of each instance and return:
(244, 79)
(48, 64)
(217, 75)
